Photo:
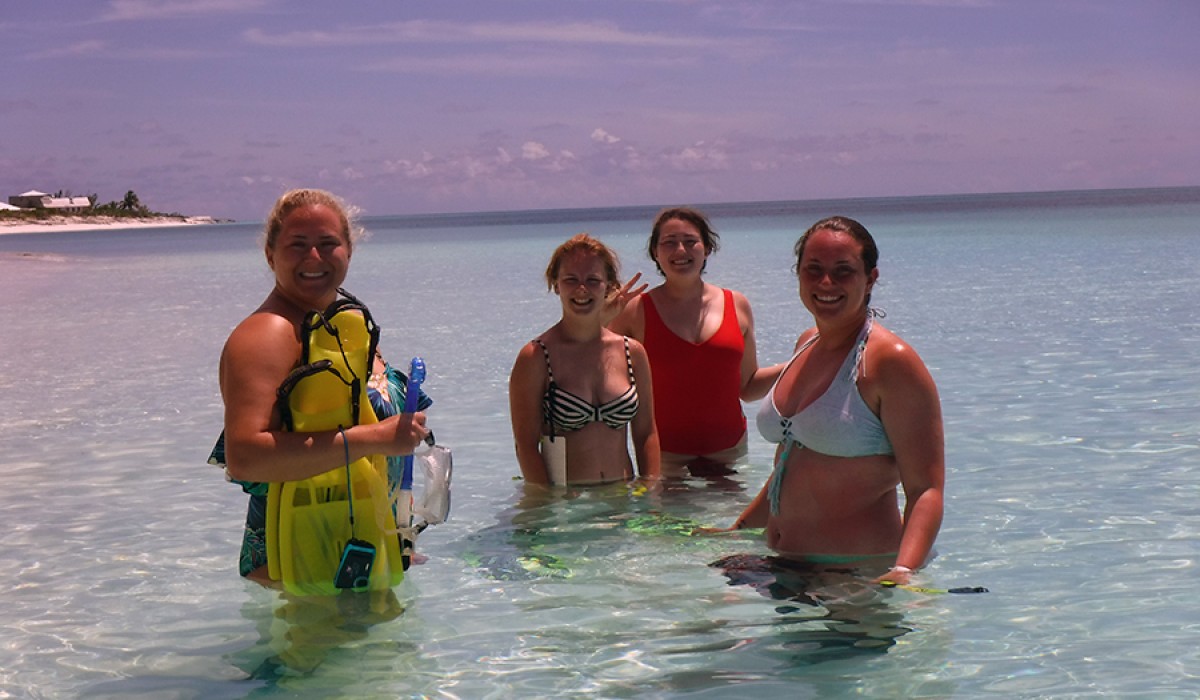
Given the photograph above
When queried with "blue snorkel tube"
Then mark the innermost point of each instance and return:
(416, 375)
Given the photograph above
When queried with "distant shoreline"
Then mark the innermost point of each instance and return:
(57, 224)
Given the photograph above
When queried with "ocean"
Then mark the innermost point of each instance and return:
(1060, 328)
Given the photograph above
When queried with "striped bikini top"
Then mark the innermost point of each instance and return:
(565, 411)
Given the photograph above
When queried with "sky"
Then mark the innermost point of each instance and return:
(216, 107)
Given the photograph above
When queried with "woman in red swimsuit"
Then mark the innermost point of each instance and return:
(700, 340)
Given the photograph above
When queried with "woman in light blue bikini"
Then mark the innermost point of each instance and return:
(856, 413)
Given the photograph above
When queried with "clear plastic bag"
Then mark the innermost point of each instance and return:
(433, 504)
(554, 454)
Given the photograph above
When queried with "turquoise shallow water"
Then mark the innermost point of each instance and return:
(1059, 327)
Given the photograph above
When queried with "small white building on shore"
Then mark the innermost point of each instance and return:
(40, 200)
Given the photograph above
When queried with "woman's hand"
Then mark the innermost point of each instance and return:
(899, 575)
(714, 530)
(405, 432)
(616, 301)
(646, 486)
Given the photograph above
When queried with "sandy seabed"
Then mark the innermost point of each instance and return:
(92, 223)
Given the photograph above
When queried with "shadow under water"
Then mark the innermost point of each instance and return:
(827, 613)
(300, 632)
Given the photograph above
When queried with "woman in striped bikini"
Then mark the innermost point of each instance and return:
(578, 390)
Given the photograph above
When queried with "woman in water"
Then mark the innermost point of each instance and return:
(855, 413)
(578, 389)
(308, 246)
(700, 340)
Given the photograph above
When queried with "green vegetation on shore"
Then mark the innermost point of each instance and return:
(130, 207)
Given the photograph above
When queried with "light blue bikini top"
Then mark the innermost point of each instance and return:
(839, 423)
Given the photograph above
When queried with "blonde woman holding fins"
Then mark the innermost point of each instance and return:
(308, 248)
(579, 390)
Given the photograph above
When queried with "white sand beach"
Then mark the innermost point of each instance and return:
(92, 223)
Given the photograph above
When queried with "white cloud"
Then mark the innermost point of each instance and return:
(699, 157)
(576, 33)
(257, 179)
(565, 160)
(424, 31)
(411, 170)
(478, 167)
(523, 66)
(96, 48)
(532, 150)
(127, 10)
(602, 136)
(89, 47)
(510, 49)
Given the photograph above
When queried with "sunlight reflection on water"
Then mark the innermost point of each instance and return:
(1072, 457)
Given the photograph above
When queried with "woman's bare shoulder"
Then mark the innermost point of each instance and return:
(635, 347)
(888, 345)
(531, 349)
(804, 338)
(893, 359)
(610, 337)
(263, 333)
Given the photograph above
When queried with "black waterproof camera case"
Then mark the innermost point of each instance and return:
(355, 569)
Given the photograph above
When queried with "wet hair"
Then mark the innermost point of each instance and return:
(583, 243)
(850, 227)
(292, 200)
(708, 235)
(842, 224)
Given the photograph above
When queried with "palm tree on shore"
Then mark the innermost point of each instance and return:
(131, 202)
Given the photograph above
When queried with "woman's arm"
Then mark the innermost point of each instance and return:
(756, 381)
(755, 514)
(645, 433)
(258, 356)
(526, 386)
(912, 417)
